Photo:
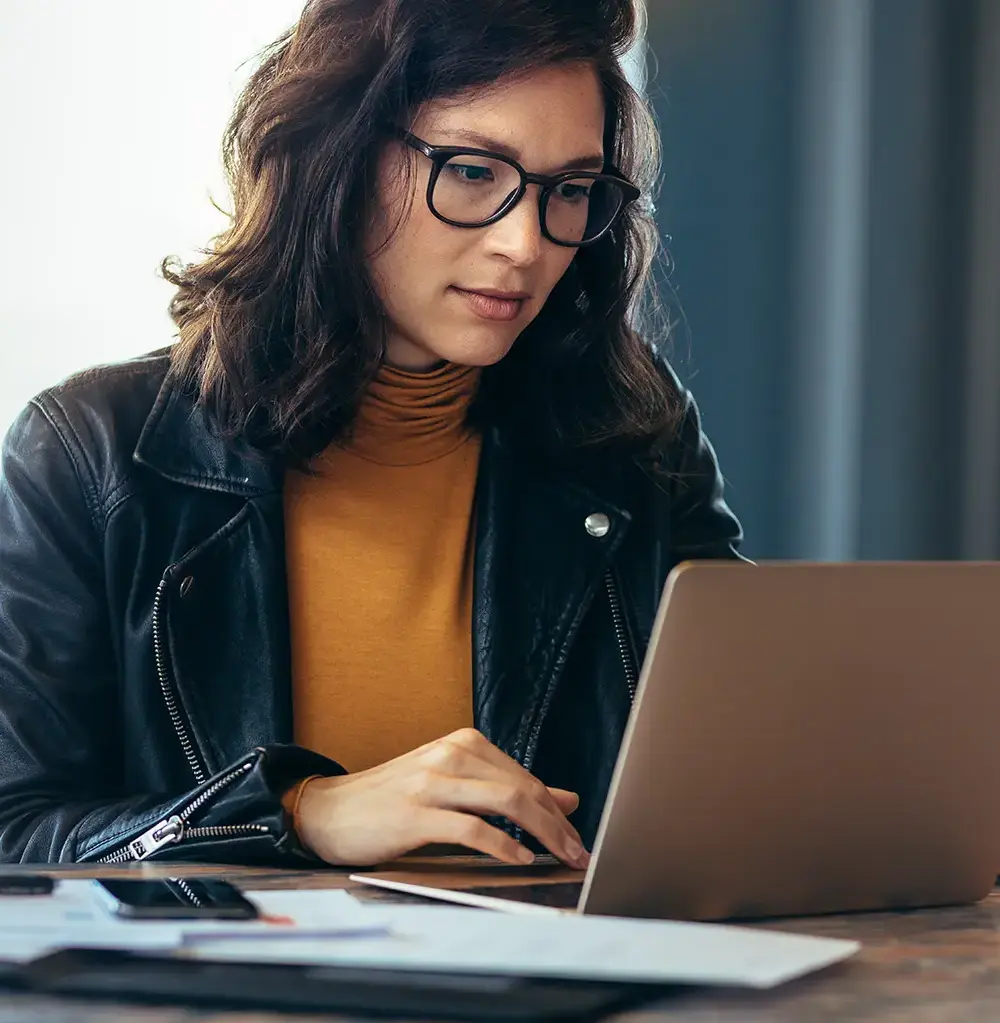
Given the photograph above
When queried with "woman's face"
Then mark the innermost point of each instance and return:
(431, 277)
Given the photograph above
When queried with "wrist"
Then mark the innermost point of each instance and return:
(292, 802)
(314, 811)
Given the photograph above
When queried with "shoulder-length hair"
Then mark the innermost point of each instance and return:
(280, 329)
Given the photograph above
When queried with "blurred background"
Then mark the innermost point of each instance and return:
(832, 194)
(831, 201)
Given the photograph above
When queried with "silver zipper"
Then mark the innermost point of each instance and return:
(624, 649)
(621, 633)
(174, 829)
(169, 697)
(617, 615)
(529, 750)
(619, 620)
(187, 891)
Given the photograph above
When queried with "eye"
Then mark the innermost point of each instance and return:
(574, 191)
(471, 173)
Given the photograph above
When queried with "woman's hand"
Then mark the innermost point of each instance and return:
(435, 794)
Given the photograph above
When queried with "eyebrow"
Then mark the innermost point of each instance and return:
(594, 161)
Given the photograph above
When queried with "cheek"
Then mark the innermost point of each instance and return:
(422, 257)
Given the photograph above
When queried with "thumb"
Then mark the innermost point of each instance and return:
(566, 801)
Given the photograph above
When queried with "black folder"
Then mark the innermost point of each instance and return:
(157, 978)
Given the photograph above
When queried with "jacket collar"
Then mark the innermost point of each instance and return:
(182, 442)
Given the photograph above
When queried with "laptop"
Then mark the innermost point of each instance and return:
(806, 739)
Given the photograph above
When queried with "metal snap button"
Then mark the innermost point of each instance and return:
(598, 524)
(186, 585)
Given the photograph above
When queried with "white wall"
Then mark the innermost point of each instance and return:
(112, 119)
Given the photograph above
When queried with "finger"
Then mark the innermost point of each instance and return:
(517, 803)
(524, 789)
(452, 828)
(470, 754)
(566, 801)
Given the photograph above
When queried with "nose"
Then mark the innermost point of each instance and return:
(518, 236)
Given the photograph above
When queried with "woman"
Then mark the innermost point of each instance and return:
(369, 559)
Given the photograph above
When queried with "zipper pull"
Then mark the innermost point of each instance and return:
(161, 834)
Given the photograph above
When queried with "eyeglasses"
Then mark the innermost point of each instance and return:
(476, 188)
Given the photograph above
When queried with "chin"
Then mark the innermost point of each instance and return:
(477, 350)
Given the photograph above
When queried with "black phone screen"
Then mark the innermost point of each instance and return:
(179, 898)
(26, 884)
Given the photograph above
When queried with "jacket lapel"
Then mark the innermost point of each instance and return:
(537, 570)
(537, 567)
(224, 603)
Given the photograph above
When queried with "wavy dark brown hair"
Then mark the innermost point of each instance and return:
(280, 328)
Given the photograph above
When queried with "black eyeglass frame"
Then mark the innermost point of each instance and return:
(440, 155)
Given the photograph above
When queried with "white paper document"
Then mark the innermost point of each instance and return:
(565, 946)
(73, 916)
(329, 915)
(334, 928)
(22, 946)
(32, 925)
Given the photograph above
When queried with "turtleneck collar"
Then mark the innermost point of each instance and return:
(408, 418)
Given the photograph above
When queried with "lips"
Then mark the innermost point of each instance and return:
(491, 304)
(506, 296)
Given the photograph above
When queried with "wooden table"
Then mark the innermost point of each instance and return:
(915, 967)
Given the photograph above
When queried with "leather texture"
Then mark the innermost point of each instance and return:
(143, 609)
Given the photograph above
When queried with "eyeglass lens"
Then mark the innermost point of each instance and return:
(471, 190)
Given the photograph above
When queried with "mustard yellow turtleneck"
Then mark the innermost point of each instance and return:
(379, 555)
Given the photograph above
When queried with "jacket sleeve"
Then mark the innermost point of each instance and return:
(62, 795)
(701, 522)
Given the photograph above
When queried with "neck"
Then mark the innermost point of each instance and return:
(409, 417)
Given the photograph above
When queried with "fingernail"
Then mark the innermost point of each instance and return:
(525, 855)
(574, 851)
(584, 861)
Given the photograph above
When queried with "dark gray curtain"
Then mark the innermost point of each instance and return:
(832, 201)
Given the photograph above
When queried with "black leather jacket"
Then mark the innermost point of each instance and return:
(145, 693)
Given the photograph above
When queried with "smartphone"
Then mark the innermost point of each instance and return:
(26, 884)
(175, 898)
